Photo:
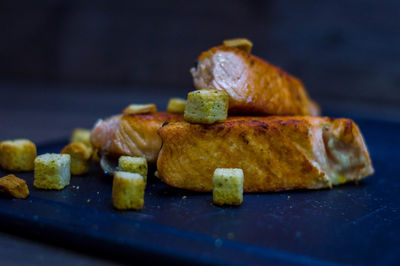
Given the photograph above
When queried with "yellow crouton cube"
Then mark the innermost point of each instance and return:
(14, 186)
(206, 106)
(176, 105)
(136, 165)
(128, 191)
(228, 186)
(240, 43)
(52, 171)
(17, 155)
(81, 135)
(80, 157)
(140, 109)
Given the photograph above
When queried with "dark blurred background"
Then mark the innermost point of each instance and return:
(346, 52)
(66, 63)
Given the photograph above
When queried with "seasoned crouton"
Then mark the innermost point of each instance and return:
(17, 155)
(228, 186)
(133, 165)
(14, 186)
(206, 106)
(241, 43)
(128, 191)
(80, 157)
(176, 105)
(81, 135)
(140, 109)
(52, 171)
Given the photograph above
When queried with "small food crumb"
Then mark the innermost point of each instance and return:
(98, 192)
(88, 200)
(218, 242)
(77, 187)
(230, 235)
(288, 197)
(184, 197)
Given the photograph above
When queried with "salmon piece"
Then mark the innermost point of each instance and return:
(255, 87)
(275, 153)
(132, 135)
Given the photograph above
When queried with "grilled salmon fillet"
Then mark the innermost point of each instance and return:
(275, 153)
(132, 135)
(255, 87)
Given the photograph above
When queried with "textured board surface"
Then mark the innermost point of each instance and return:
(349, 224)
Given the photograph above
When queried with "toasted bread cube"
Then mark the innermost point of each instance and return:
(14, 186)
(241, 43)
(80, 157)
(176, 105)
(228, 186)
(17, 155)
(128, 191)
(134, 109)
(206, 106)
(81, 135)
(136, 165)
(52, 171)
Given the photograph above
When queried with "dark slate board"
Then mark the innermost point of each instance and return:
(351, 224)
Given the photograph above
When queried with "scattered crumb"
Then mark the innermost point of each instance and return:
(88, 200)
(218, 242)
(98, 192)
(77, 187)
(230, 235)
(73, 186)
(184, 197)
(288, 197)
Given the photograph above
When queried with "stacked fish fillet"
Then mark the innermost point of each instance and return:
(273, 132)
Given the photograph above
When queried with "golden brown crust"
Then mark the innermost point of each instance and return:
(255, 87)
(275, 153)
(132, 135)
(135, 109)
(14, 186)
(80, 157)
(17, 155)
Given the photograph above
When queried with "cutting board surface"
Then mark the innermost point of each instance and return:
(349, 224)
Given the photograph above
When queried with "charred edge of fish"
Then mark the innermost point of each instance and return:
(165, 123)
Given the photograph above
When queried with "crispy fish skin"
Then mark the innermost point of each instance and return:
(132, 135)
(255, 87)
(275, 153)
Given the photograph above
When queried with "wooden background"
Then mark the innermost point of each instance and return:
(344, 51)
